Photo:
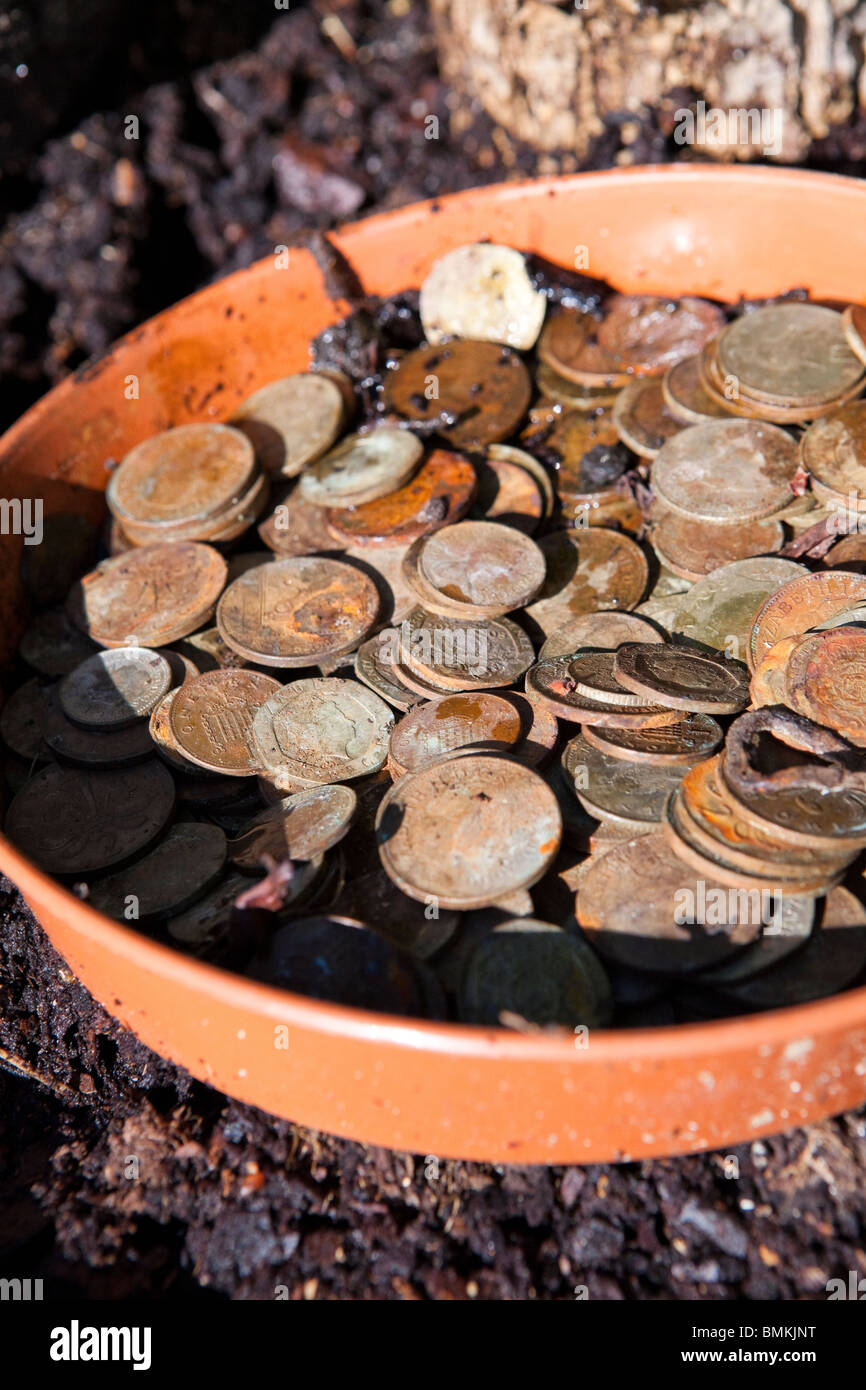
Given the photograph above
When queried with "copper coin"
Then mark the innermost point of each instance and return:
(52, 645)
(476, 654)
(832, 959)
(594, 674)
(474, 393)
(150, 597)
(848, 554)
(22, 719)
(586, 570)
(374, 899)
(802, 604)
(826, 679)
(92, 747)
(177, 871)
(571, 438)
(341, 960)
(718, 611)
(558, 390)
(684, 680)
(507, 453)
(570, 346)
(480, 720)
(482, 568)
(727, 471)
(292, 421)
(115, 688)
(536, 973)
(692, 548)
(226, 525)
(728, 392)
(615, 790)
(296, 527)
(296, 611)
(74, 822)
(811, 818)
(181, 476)
(466, 831)
(326, 730)
(551, 682)
(160, 732)
(374, 665)
(834, 451)
(440, 493)
(300, 827)
(508, 494)
(686, 397)
(604, 629)
(641, 907)
(648, 334)
(690, 739)
(768, 685)
(642, 418)
(211, 719)
(789, 353)
(363, 468)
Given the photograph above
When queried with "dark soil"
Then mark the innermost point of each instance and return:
(119, 1175)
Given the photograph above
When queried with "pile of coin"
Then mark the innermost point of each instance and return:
(520, 686)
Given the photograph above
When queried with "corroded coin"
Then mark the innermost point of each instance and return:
(686, 398)
(177, 871)
(689, 740)
(475, 654)
(480, 568)
(362, 468)
(537, 973)
(482, 291)
(160, 733)
(74, 822)
(789, 353)
(211, 719)
(788, 930)
(807, 817)
(826, 680)
(326, 730)
(292, 421)
(768, 684)
(300, 827)
(115, 688)
(570, 346)
(757, 462)
(619, 791)
(558, 390)
(482, 721)
(341, 960)
(466, 831)
(473, 393)
(151, 596)
(93, 747)
(181, 477)
(587, 569)
(803, 603)
(684, 680)
(573, 437)
(642, 418)
(692, 548)
(718, 611)
(648, 334)
(507, 494)
(440, 493)
(641, 907)
(297, 611)
(507, 453)
(594, 675)
(552, 682)
(53, 646)
(834, 451)
(374, 665)
(849, 554)
(295, 526)
(605, 629)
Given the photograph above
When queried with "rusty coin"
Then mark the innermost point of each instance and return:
(181, 477)
(569, 345)
(322, 730)
(689, 740)
(211, 719)
(507, 494)
(833, 449)
(718, 611)
(473, 393)
(647, 334)
(686, 398)
(363, 468)
(604, 630)
(692, 548)
(586, 570)
(300, 827)
(684, 680)
(295, 527)
(149, 597)
(475, 654)
(642, 418)
(552, 682)
(727, 471)
(478, 569)
(481, 721)
(440, 493)
(826, 680)
(789, 353)
(803, 603)
(625, 793)
(375, 666)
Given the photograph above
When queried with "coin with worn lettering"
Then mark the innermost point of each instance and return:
(552, 682)
(789, 352)
(362, 468)
(689, 740)
(472, 393)
(151, 596)
(588, 569)
(641, 907)
(615, 790)
(605, 629)
(826, 680)
(293, 421)
(177, 871)
(181, 477)
(211, 719)
(300, 827)
(482, 291)
(479, 569)
(684, 680)
(475, 654)
(440, 494)
(692, 548)
(322, 730)
(71, 821)
(642, 418)
(647, 334)
(719, 610)
(685, 396)
(757, 462)
(465, 831)
(297, 611)
(115, 688)
(537, 973)
(803, 603)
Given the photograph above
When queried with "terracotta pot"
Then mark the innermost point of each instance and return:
(430, 1087)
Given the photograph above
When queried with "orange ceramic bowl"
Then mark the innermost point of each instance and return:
(429, 1087)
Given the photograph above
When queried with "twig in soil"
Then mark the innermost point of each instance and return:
(17, 1067)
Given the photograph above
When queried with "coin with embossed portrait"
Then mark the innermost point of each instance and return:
(322, 730)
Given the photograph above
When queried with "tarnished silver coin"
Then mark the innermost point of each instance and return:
(115, 688)
(322, 730)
